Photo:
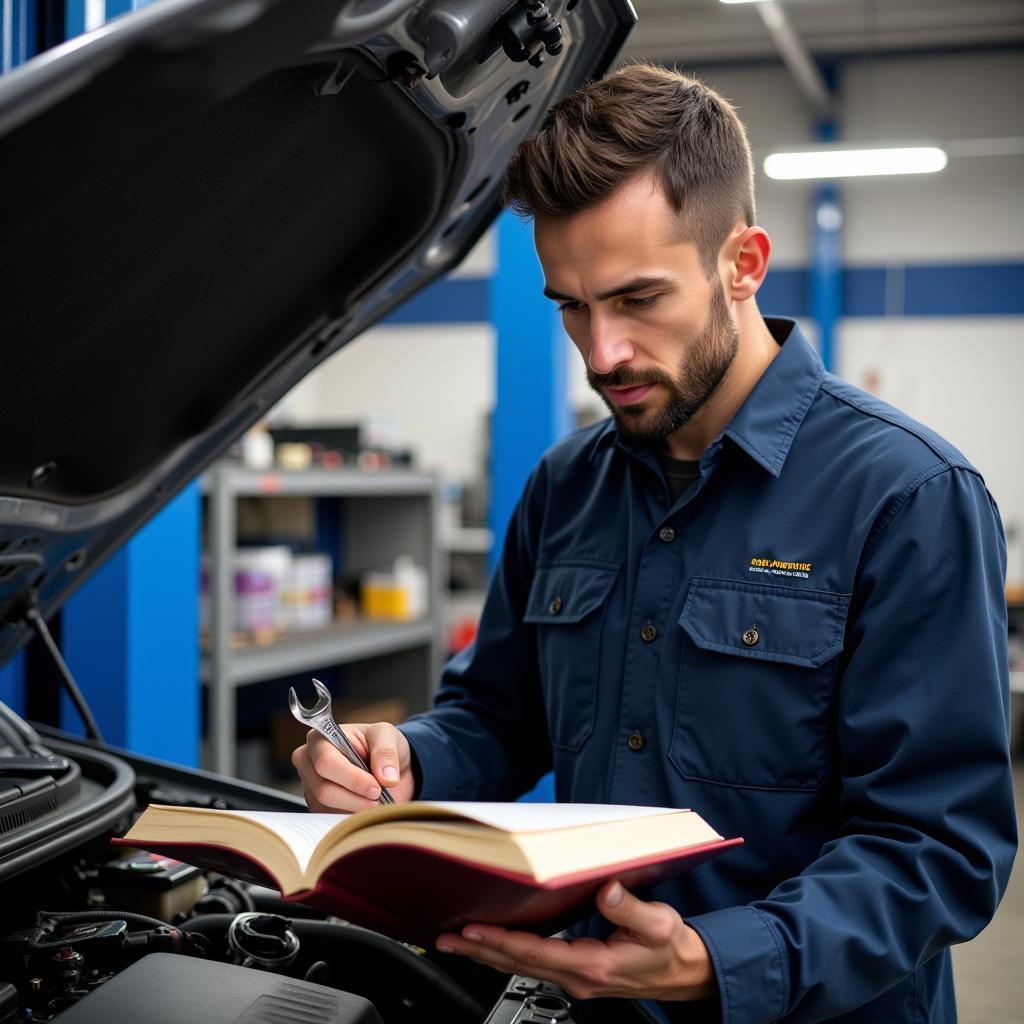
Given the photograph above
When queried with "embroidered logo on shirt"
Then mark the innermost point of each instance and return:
(777, 568)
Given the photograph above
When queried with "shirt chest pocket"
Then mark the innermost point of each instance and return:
(755, 684)
(567, 606)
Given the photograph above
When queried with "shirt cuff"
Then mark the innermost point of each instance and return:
(749, 963)
(431, 763)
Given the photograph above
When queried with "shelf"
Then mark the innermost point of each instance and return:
(239, 480)
(300, 652)
(472, 539)
(389, 513)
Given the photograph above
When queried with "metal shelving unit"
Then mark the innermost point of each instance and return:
(387, 514)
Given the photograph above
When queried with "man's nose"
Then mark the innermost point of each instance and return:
(609, 344)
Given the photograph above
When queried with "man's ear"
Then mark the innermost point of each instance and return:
(744, 261)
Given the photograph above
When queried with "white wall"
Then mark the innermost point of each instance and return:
(434, 384)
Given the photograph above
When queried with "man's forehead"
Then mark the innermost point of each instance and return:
(600, 259)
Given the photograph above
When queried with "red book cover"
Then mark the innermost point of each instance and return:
(413, 894)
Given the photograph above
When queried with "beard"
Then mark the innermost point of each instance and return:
(701, 369)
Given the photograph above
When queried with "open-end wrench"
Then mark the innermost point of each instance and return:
(319, 717)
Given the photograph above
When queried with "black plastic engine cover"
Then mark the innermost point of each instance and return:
(166, 989)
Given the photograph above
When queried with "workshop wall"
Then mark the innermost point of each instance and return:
(920, 253)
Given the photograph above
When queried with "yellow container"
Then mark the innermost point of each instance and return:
(385, 599)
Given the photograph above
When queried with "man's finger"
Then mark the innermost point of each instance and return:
(332, 765)
(526, 951)
(323, 795)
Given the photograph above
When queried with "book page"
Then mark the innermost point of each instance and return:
(541, 817)
(300, 830)
(303, 832)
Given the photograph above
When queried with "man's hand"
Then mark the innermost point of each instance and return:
(330, 782)
(653, 954)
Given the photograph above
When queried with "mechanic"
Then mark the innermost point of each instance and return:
(755, 590)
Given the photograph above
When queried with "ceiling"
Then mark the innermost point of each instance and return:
(694, 32)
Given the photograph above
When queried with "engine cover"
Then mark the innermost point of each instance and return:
(165, 989)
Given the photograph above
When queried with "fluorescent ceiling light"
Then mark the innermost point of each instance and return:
(834, 162)
(742, 1)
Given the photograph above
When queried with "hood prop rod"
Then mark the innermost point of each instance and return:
(33, 617)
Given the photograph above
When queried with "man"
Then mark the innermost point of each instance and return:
(755, 591)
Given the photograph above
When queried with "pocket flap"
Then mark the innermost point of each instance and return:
(566, 593)
(800, 627)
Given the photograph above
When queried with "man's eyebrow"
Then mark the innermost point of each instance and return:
(638, 284)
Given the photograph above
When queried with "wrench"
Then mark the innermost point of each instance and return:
(319, 717)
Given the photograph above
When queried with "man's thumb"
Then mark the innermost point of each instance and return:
(622, 908)
(385, 757)
(616, 903)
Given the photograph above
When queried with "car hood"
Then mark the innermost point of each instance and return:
(202, 201)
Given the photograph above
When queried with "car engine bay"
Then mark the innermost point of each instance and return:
(92, 932)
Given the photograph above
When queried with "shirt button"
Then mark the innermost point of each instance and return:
(751, 637)
(636, 741)
(556, 605)
(667, 534)
(648, 633)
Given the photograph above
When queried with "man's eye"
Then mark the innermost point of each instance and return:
(641, 301)
(570, 307)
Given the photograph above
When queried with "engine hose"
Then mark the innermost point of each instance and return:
(365, 955)
(71, 916)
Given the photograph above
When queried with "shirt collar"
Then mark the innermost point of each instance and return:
(766, 423)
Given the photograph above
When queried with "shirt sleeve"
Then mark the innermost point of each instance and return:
(926, 831)
(486, 736)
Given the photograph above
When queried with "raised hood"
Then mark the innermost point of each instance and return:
(205, 199)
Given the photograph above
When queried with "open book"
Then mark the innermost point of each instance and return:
(413, 870)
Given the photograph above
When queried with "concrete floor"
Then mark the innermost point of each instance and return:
(989, 970)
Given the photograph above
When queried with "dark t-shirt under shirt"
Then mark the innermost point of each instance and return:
(679, 473)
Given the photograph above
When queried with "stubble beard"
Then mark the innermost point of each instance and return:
(701, 370)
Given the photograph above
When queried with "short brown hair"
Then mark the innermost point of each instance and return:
(641, 118)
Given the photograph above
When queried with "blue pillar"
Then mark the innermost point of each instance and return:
(75, 14)
(826, 272)
(531, 406)
(131, 638)
(17, 32)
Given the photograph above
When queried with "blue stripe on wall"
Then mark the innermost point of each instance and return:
(969, 289)
(990, 289)
(784, 292)
(864, 292)
(454, 300)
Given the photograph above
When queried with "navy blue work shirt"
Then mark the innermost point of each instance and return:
(808, 648)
